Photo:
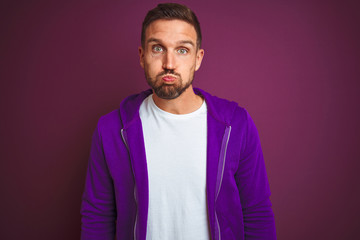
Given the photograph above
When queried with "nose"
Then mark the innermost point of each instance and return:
(169, 60)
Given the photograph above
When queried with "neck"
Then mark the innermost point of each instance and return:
(187, 102)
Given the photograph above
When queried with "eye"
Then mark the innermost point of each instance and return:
(182, 51)
(157, 49)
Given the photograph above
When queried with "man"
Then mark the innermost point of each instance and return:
(175, 162)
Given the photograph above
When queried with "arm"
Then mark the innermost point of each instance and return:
(98, 203)
(254, 189)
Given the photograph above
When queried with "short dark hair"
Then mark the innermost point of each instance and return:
(171, 11)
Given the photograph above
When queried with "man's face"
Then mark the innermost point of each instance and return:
(170, 57)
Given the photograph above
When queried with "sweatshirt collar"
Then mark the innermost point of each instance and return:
(129, 107)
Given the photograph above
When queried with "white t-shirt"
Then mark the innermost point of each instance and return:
(175, 148)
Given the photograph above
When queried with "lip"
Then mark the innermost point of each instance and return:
(168, 78)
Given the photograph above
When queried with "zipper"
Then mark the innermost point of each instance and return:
(218, 225)
(123, 137)
(136, 217)
(222, 158)
(135, 196)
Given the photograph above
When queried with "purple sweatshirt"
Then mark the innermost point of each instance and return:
(115, 200)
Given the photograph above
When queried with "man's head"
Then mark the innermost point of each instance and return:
(170, 49)
(171, 11)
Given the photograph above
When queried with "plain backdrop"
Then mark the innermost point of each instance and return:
(294, 65)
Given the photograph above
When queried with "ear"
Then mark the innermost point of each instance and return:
(141, 56)
(199, 57)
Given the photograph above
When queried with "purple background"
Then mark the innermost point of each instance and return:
(293, 64)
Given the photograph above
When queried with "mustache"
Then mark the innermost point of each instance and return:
(168, 71)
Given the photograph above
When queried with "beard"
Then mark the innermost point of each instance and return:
(168, 91)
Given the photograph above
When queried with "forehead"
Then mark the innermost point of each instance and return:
(170, 30)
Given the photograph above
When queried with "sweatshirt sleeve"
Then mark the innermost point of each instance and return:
(98, 202)
(253, 186)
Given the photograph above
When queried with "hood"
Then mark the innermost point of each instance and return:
(220, 109)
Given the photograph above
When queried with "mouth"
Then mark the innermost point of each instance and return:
(168, 78)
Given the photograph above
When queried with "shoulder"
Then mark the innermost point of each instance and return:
(128, 110)
(224, 110)
(110, 121)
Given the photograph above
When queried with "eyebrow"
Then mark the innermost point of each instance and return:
(187, 42)
(179, 42)
(153, 40)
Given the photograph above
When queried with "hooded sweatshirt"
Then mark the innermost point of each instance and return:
(116, 196)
